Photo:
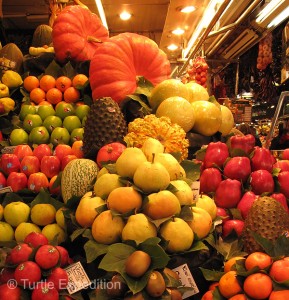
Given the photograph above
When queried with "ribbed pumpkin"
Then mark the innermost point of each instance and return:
(76, 34)
(11, 58)
(42, 36)
(77, 178)
(117, 64)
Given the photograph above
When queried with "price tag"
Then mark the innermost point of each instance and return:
(187, 280)
(8, 150)
(195, 186)
(77, 278)
(6, 189)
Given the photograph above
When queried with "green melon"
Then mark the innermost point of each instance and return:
(42, 36)
(11, 58)
(77, 178)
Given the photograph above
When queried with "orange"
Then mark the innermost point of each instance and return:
(79, 80)
(258, 259)
(71, 95)
(30, 83)
(47, 82)
(77, 148)
(208, 296)
(63, 83)
(258, 286)
(37, 95)
(229, 284)
(230, 263)
(279, 295)
(213, 285)
(54, 96)
(44, 102)
(239, 297)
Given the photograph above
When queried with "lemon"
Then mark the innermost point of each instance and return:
(197, 92)
(179, 110)
(227, 120)
(52, 231)
(43, 214)
(12, 79)
(6, 232)
(23, 229)
(165, 89)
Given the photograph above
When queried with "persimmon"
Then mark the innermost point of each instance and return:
(229, 284)
(54, 96)
(258, 286)
(258, 259)
(63, 83)
(79, 80)
(208, 296)
(37, 95)
(231, 262)
(279, 270)
(71, 95)
(30, 83)
(47, 82)
(279, 295)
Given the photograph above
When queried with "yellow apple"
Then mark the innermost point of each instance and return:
(16, 213)
(201, 223)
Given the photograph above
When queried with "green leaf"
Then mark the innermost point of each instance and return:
(197, 246)
(281, 246)
(68, 70)
(93, 250)
(211, 275)
(11, 197)
(76, 233)
(144, 87)
(145, 108)
(267, 245)
(192, 169)
(73, 202)
(53, 69)
(186, 213)
(44, 197)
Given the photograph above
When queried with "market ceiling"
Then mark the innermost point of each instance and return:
(228, 27)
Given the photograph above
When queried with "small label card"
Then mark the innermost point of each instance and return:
(77, 278)
(187, 280)
(195, 186)
(6, 189)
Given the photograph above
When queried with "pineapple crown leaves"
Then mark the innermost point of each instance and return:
(117, 254)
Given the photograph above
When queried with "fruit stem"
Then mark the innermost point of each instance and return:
(153, 157)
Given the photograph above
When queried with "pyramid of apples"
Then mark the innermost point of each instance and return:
(236, 173)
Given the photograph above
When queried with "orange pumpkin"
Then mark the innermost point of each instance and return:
(117, 64)
(76, 34)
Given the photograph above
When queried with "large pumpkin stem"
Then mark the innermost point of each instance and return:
(93, 39)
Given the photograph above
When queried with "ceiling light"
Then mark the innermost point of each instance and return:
(172, 47)
(269, 8)
(280, 18)
(178, 31)
(101, 12)
(186, 9)
(125, 15)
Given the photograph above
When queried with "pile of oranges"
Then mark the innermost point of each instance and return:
(257, 276)
(50, 90)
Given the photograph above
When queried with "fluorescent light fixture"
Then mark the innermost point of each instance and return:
(268, 10)
(280, 18)
(178, 31)
(101, 13)
(125, 15)
(187, 9)
(206, 19)
(172, 47)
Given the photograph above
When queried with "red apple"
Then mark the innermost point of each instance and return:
(262, 159)
(64, 256)
(17, 181)
(282, 199)
(36, 181)
(283, 180)
(216, 154)
(29, 164)
(283, 165)
(50, 165)
(228, 193)
(36, 239)
(42, 150)
(62, 150)
(230, 225)
(66, 159)
(238, 167)
(262, 182)
(221, 212)
(1, 136)
(209, 180)
(54, 190)
(9, 163)
(20, 253)
(22, 150)
(285, 154)
(2, 180)
(246, 202)
(6, 292)
(6, 274)
(109, 153)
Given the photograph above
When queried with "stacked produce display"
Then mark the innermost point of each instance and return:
(96, 169)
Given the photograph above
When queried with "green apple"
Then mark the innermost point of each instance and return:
(52, 122)
(25, 110)
(76, 135)
(45, 110)
(6, 232)
(16, 213)
(82, 111)
(64, 109)
(4, 90)
(59, 135)
(31, 121)
(39, 135)
(71, 122)
(18, 136)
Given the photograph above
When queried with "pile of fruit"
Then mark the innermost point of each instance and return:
(265, 52)
(35, 269)
(198, 71)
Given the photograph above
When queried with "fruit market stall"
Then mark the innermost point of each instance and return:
(120, 182)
